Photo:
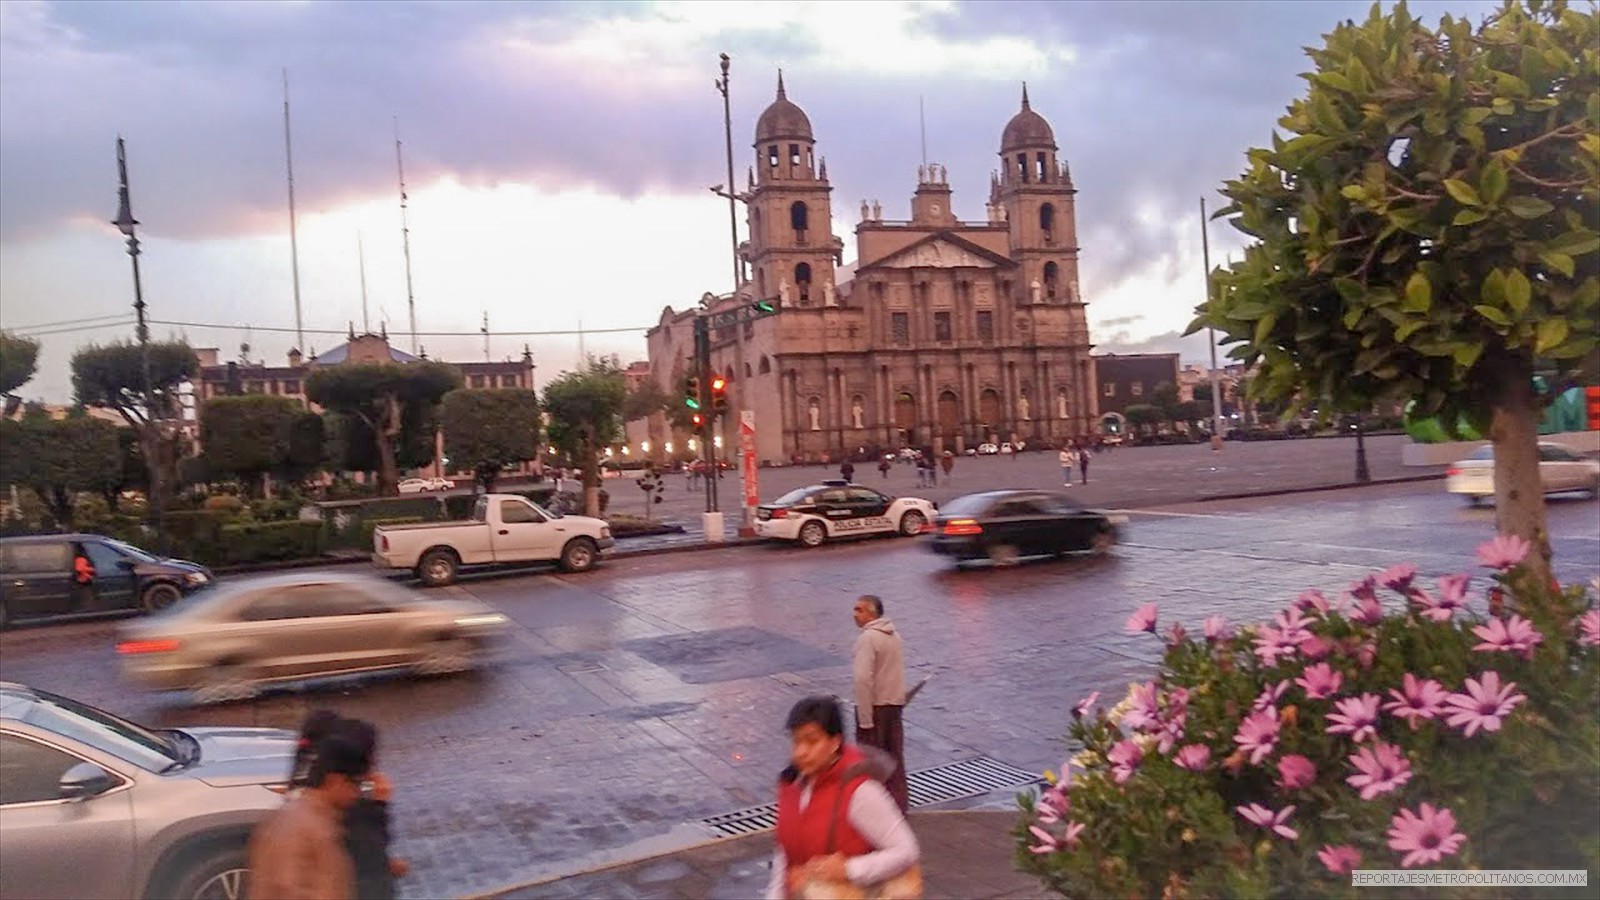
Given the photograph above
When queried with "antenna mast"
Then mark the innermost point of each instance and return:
(361, 260)
(405, 234)
(294, 243)
(485, 330)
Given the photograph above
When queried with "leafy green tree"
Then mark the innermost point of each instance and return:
(1142, 417)
(585, 411)
(489, 430)
(252, 435)
(112, 377)
(1165, 399)
(58, 458)
(19, 359)
(1194, 412)
(1426, 228)
(395, 403)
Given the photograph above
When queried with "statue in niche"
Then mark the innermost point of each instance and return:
(815, 412)
(1022, 408)
(866, 212)
(1061, 404)
(1037, 290)
(828, 298)
(783, 292)
(856, 414)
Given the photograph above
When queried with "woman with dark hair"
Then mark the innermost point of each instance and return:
(366, 823)
(839, 832)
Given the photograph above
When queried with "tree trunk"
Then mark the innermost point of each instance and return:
(1518, 488)
(387, 430)
(591, 476)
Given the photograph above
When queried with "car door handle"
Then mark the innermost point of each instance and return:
(505, 531)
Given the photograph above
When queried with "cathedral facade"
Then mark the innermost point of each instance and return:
(941, 334)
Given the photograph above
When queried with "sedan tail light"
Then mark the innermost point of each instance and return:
(135, 648)
(959, 527)
(1453, 471)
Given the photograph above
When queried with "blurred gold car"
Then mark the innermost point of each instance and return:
(229, 642)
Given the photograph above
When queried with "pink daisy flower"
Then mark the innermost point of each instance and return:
(1143, 619)
(1380, 769)
(1295, 772)
(1503, 552)
(1315, 647)
(1452, 597)
(1071, 837)
(1258, 734)
(1418, 698)
(1217, 629)
(1144, 708)
(1425, 838)
(1054, 803)
(1125, 757)
(1366, 586)
(1269, 697)
(1398, 577)
(1340, 860)
(1294, 625)
(1320, 681)
(1177, 634)
(1171, 730)
(1484, 704)
(1194, 757)
(1085, 705)
(1272, 644)
(1356, 716)
(1045, 842)
(1368, 611)
(1589, 628)
(1265, 818)
(1511, 635)
(1312, 601)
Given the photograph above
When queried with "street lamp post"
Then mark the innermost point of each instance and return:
(1211, 333)
(127, 224)
(736, 400)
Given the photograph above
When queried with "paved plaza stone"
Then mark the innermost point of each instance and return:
(631, 702)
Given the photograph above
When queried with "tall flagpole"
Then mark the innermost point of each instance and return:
(405, 234)
(1211, 332)
(361, 260)
(294, 243)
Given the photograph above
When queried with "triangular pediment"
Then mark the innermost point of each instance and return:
(941, 251)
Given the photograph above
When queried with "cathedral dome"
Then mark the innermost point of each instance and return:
(1027, 129)
(783, 119)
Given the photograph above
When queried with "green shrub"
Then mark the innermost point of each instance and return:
(259, 542)
(224, 503)
(282, 510)
(194, 533)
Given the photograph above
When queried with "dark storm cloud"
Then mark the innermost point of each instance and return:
(1157, 108)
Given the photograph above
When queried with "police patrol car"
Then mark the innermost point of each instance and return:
(836, 509)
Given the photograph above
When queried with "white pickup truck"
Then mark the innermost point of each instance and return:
(504, 529)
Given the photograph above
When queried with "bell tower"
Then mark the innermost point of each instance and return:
(792, 246)
(1035, 192)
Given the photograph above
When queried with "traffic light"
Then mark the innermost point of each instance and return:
(719, 394)
(764, 307)
(691, 392)
(699, 421)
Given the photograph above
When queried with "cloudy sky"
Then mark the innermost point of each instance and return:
(558, 153)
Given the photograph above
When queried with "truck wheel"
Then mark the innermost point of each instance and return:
(220, 874)
(438, 568)
(812, 534)
(579, 555)
(157, 597)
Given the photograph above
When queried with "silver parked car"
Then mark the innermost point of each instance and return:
(94, 806)
(227, 643)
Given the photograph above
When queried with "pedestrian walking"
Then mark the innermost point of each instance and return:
(1083, 461)
(299, 852)
(366, 824)
(840, 834)
(1069, 459)
(880, 690)
(949, 463)
(883, 467)
(847, 471)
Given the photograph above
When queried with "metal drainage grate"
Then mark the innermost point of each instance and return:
(940, 784)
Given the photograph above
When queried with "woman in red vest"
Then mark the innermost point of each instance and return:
(837, 824)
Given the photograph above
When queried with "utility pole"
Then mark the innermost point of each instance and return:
(294, 244)
(736, 399)
(1211, 333)
(405, 234)
(127, 224)
(361, 260)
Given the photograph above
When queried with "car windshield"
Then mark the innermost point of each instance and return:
(970, 505)
(795, 496)
(131, 551)
(104, 732)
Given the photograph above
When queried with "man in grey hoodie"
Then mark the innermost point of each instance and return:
(880, 690)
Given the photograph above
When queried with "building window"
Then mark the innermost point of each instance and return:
(291, 387)
(1111, 389)
(985, 325)
(794, 155)
(1138, 389)
(477, 381)
(772, 160)
(1047, 221)
(1039, 158)
(941, 326)
(901, 323)
(802, 282)
(1052, 279)
(1022, 167)
(766, 365)
(799, 218)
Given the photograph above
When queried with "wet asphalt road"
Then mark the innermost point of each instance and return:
(651, 692)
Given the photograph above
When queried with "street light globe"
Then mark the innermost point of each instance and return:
(644, 446)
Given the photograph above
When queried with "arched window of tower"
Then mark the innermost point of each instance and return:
(1043, 173)
(799, 218)
(755, 225)
(1047, 221)
(772, 160)
(1022, 167)
(802, 281)
(794, 159)
(761, 282)
(1052, 276)
(766, 365)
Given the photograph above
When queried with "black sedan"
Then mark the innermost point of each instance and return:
(1004, 526)
(38, 577)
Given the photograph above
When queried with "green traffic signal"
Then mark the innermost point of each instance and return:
(691, 402)
(765, 306)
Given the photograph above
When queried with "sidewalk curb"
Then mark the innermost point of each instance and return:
(735, 543)
(687, 846)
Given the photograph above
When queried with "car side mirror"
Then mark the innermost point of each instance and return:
(85, 780)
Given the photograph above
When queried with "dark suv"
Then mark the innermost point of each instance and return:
(37, 577)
